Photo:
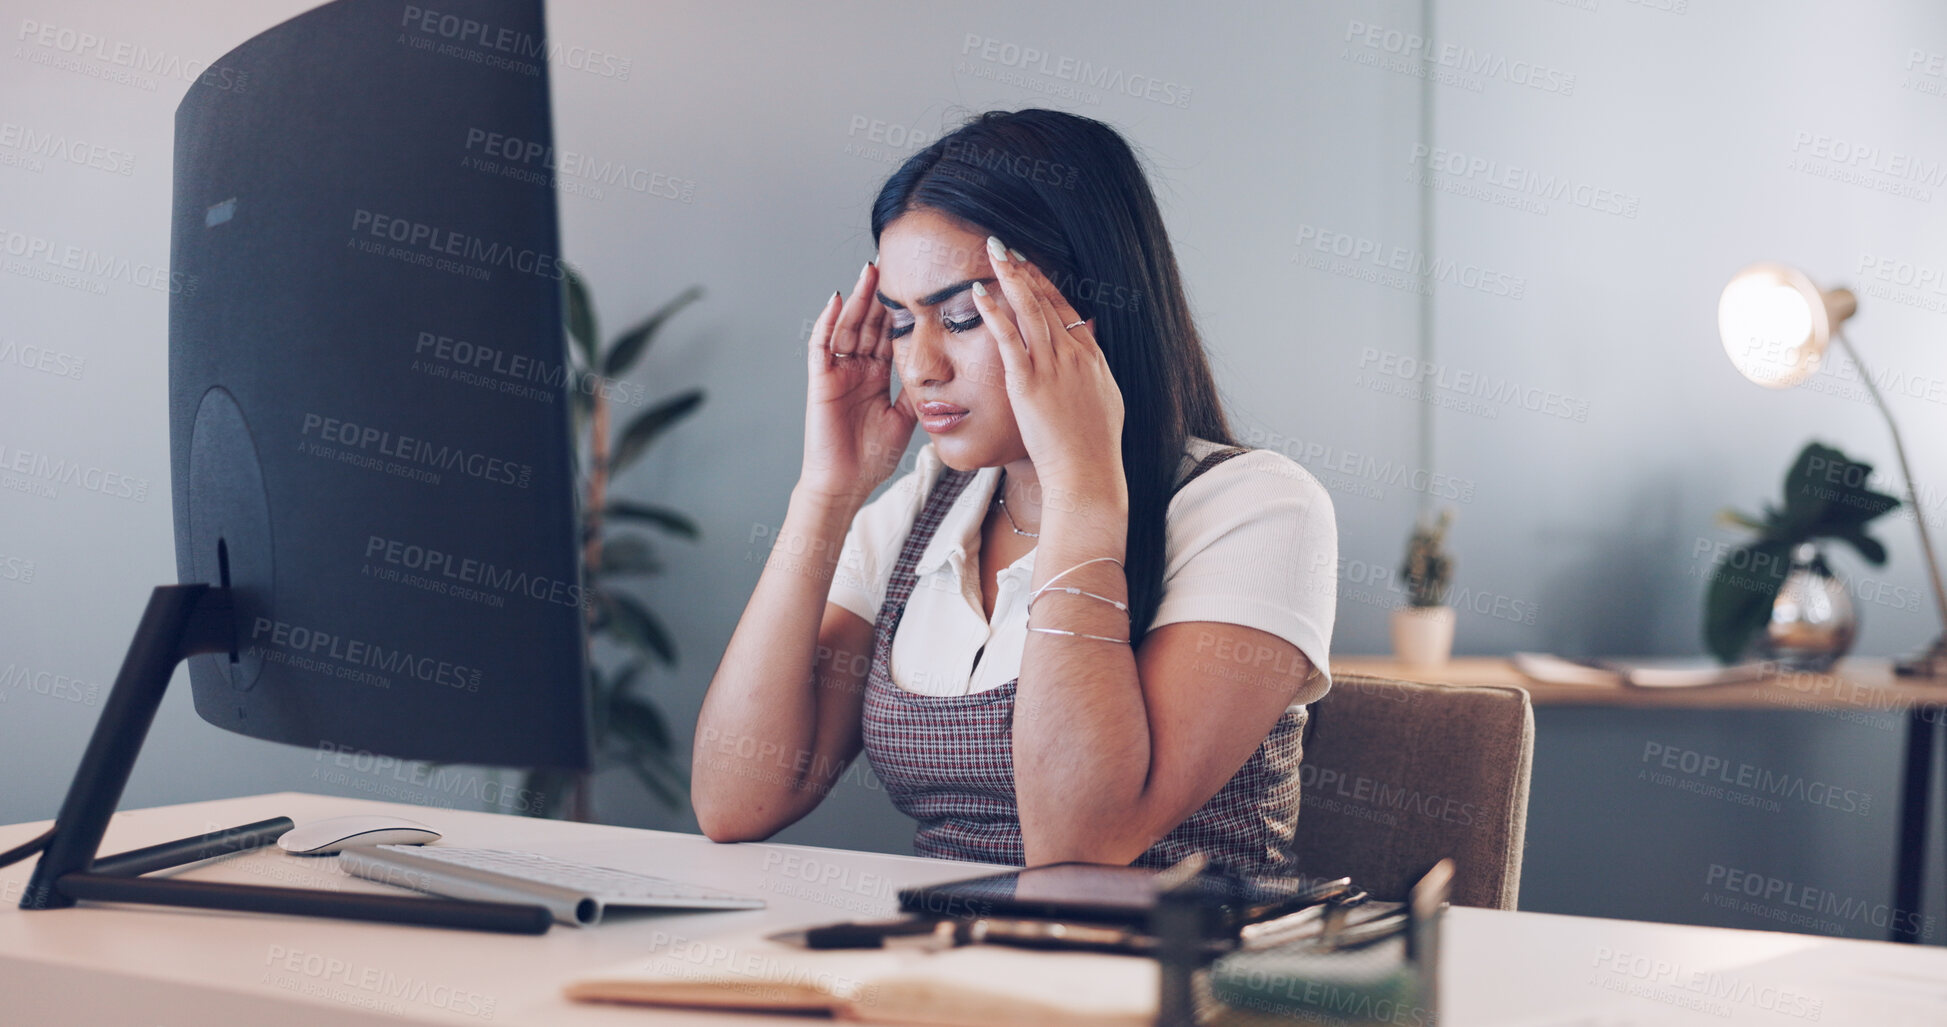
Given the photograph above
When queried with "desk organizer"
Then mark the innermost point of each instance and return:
(1391, 981)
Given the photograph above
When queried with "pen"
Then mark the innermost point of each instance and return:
(1291, 926)
(951, 933)
(858, 934)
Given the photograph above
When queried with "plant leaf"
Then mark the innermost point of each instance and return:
(1826, 496)
(670, 794)
(660, 516)
(624, 678)
(630, 345)
(1738, 519)
(635, 625)
(649, 424)
(582, 401)
(628, 554)
(1869, 548)
(639, 720)
(580, 312)
(598, 711)
(1737, 601)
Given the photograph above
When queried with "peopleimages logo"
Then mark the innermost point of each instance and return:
(458, 570)
(16, 568)
(65, 149)
(414, 451)
(1362, 257)
(351, 657)
(1822, 901)
(463, 31)
(42, 359)
(540, 164)
(77, 46)
(1525, 181)
(27, 471)
(82, 267)
(1068, 69)
(433, 241)
(1464, 60)
(1711, 769)
(1359, 788)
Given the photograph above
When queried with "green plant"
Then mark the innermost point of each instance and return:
(1428, 570)
(1825, 497)
(628, 728)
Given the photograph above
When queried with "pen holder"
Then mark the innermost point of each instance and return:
(1388, 981)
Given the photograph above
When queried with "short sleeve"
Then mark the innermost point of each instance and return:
(1253, 541)
(872, 545)
(856, 586)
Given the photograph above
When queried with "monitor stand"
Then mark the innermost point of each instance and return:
(182, 621)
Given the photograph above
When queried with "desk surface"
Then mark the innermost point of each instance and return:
(1862, 685)
(93, 965)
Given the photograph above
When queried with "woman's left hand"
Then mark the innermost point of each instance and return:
(1065, 400)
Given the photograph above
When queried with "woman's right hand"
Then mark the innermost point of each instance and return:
(855, 432)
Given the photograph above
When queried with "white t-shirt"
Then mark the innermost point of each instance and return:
(1251, 541)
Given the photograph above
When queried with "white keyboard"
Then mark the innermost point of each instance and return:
(576, 893)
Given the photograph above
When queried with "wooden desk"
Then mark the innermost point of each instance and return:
(1863, 685)
(158, 966)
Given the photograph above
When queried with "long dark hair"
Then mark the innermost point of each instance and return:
(1067, 192)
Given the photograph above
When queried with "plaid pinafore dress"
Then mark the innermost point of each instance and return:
(948, 761)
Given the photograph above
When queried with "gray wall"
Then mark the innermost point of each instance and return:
(1576, 533)
(1708, 123)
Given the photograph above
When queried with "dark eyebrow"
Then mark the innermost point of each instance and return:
(937, 296)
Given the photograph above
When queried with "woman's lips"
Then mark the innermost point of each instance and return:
(937, 417)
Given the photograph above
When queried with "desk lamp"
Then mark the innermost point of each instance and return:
(1775, 325)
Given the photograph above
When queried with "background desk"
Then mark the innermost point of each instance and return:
(177, 968)
(1861, 685)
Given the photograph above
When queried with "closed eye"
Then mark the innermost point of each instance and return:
(899, 331)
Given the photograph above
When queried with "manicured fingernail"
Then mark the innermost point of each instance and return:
(979, 289)
(863, 268)
(1017, 254)
(996, 250)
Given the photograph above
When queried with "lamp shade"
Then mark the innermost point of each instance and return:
(1775, 324)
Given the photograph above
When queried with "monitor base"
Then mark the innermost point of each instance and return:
(182, 621)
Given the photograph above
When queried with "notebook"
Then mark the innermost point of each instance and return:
(970, 986)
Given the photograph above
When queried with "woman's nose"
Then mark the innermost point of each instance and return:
(925, 360)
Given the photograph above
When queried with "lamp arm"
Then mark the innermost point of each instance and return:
(1906, 473)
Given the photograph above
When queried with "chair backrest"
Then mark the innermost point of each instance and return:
(1397, 775)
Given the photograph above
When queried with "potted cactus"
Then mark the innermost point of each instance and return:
(1423, 628)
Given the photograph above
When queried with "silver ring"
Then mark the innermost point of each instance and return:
(1072, 327)
(842, 356)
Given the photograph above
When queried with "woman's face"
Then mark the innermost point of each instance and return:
(946, 358)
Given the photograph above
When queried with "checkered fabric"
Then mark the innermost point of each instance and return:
(948, 761)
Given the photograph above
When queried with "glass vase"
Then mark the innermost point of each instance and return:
(1812, 619)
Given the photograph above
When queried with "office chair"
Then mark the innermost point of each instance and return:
(1397, 775)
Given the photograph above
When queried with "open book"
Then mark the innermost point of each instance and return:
(973, 985)
(1655, 673)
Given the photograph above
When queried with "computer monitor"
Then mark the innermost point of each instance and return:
(369, 416)
(370, 429)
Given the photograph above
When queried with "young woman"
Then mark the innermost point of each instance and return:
(1085, 626)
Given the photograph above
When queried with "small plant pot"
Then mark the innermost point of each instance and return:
(1423, 635)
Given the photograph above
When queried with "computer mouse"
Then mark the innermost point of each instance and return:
(325, 837)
